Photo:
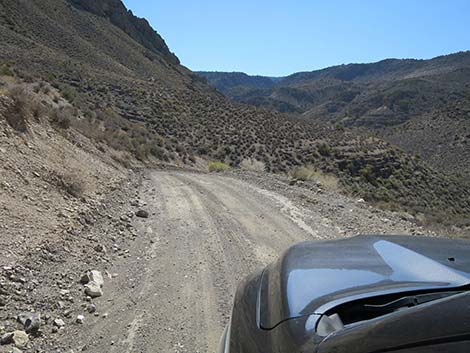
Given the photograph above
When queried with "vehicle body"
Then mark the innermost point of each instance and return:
(366, 294)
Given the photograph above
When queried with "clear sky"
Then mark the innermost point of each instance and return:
(279, 37)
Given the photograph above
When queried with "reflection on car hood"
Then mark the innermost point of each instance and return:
(313, 277)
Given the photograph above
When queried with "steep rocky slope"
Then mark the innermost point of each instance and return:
(137, 28)
(133, 96)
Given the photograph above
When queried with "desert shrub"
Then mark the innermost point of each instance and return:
(5, 70)
(142, 152)
(50, 77)
(122, 157)
(159, 153)
(17, 115)
(68, 93)
(324, 149)
(340, 126)
(203, 150)
(302, 173)
(218, 167)
(39, 110)
(61, 118)
(71, 183)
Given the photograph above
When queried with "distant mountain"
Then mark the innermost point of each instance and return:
(225, 81)
(339, 89)
(384, 97)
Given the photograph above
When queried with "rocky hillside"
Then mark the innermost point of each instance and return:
(137, 28)
(385, 97)
(130, 94)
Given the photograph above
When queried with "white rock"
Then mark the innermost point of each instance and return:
(20, 339)
(93, 276)
(97, 277)
(93, 290)
(91, 308)
(59, 323)
(80, 319)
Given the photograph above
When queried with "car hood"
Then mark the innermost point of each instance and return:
(313, 277)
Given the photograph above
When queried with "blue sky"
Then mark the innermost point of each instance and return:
(275, 38)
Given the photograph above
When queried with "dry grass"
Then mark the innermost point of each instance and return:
(122, 157)
(307, 173)
(70, 182)
(252, 165)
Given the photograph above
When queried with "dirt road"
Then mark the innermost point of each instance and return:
(205, 233)
(173, 291)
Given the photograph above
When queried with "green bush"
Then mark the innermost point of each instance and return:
(324, 149)
(5, 70)
(218, 167)
(68, 93)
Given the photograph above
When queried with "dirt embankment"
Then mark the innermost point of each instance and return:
(56, 187)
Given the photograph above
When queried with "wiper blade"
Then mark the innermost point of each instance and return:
(407, 302)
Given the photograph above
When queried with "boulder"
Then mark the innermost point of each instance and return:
(91, 308)
(6, 338)
(30, 321)
(142, 214)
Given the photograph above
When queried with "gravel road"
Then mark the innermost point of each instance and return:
(173, 290)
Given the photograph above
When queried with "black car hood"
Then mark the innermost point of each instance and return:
(313, 277)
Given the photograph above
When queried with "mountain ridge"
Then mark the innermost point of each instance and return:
(342, 71)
